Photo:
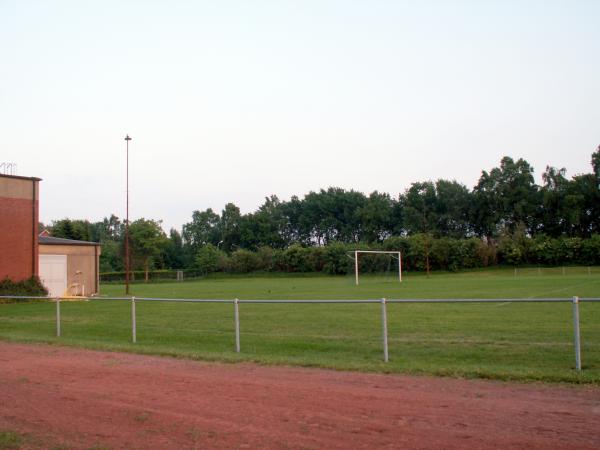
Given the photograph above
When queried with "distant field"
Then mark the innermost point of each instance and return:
(503, 340)
(483, 283)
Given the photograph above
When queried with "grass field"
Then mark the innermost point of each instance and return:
(499, 340)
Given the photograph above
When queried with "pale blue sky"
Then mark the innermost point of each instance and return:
(233, 101)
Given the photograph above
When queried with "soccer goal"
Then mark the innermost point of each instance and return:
(394, 254)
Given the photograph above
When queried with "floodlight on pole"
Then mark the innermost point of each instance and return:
(127, 139)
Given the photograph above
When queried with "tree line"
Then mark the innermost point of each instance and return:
(505, 218)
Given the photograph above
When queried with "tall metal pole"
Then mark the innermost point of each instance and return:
(127, 139)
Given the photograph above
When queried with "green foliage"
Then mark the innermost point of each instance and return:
(79, 230)
(513, 248)
(296, 259)
(31, 286)
(505, 218)
(244, 261)
(335, 259)
(210, 259)
(590, 250)
(147, 242)
(506, 197)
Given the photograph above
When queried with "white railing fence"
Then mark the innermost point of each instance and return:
(575, 301)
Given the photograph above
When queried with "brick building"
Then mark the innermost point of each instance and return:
(19, 213)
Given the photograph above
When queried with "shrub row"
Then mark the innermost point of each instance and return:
(335, 259)
(31, 286)
(549, 251)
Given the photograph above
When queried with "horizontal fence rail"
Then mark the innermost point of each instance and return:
(575, 301)
(378, 300)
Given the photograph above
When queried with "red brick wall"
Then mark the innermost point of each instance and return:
(18, 238)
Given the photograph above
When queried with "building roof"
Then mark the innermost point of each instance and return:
(3, 175)
(48, 240)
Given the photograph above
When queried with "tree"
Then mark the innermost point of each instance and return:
(419, 206)
(505, 198)
(376, 217)
(332, 215)
(78, 230)
(584, 196)
(419, 203)
(555, 216)
(452, 208)
(596, 164)
(173, 253)
(230, 227)
(265, 227)
(148, 241)
(203, 229)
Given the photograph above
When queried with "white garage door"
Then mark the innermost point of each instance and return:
(53, 273)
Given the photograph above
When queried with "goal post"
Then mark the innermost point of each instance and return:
(358, 252)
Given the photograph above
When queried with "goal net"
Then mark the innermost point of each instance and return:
(376, 261)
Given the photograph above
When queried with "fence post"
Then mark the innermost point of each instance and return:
(384, 329)
(576, 331)
(133, 321)
(356, 267)
(57, 316)
(236, 313)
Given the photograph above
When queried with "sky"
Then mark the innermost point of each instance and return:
(232, 101)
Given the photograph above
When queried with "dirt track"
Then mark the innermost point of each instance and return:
(83, 399)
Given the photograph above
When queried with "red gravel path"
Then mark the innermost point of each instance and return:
(83, 399)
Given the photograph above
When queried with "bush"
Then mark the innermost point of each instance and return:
(444, 254)
(590, 250)
(210, 259)
(244, 261)
(335, 259)
(295, 259)
(31, 286)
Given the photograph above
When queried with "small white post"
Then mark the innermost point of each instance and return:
(539, 271)
(57, 316)
(576, 332)
(236, 314)
(356, 266)
(400, 266)
(133, 321)
(515, 271)
(563, 270)
(384, 330)
(589, 270)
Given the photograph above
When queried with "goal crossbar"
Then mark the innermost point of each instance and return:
(357, 252)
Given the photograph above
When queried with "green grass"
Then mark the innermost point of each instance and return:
(10, 440)
(500, 340)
